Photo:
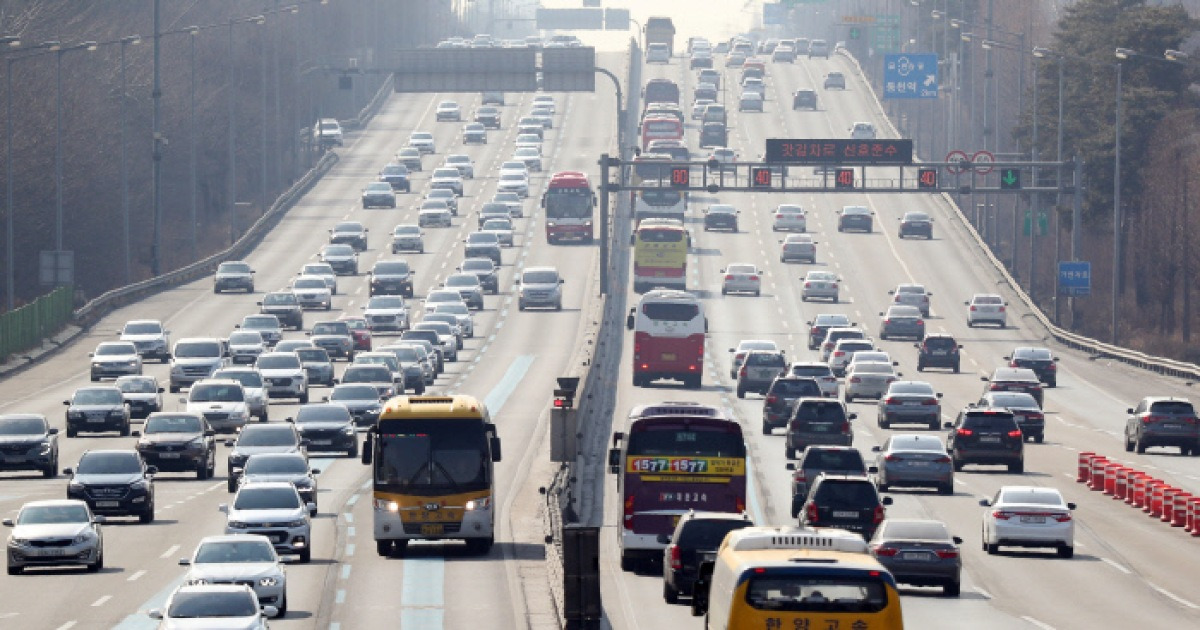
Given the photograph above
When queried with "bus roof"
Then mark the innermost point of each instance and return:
(670, 409)
(794, 539)
(569, 179)
(449, 407)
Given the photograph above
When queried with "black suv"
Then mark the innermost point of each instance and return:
(397, 176)
(1163, 421)
(97, 409)
(391, 277)
(849, 502)
(818, 421)
(821, 325)
(485, 270)
(815, 460)
(284, 306)
(114, 483)
(804, 99)
(179, 442)
(696, 535)
(1040, 360)
(938, 350)
(713, 134)
(28, 442)
(260, 438)
(983, 435)
(782, 395)
(721, 218)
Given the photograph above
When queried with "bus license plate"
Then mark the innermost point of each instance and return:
(433, 529)
(668, 356)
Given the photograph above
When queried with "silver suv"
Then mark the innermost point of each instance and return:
(539, 286)
(196, 358)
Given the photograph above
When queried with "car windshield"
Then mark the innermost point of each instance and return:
(821, 411)
(109, 463)
(231, 551)
(317, 269)
(143, 328)
(740, 268)
(939, 343)
(506, 198)
(22, 426)
(322, 413)
(454, 308)
(173, 424)
(482, 238)
(395, 169)
(527, 152)
(278, 299)
(916, 216)
(463, 280)
(846, 494)
(407, 355)
(540, 277)
(421, 135)
(52, 514)
(267, 436)
(1033, 354)
(279, 362)
(914, 289)
(793, 387)
(911, 388)
(512, 176)
(216, 393)
(1030, 496)
(313, 355)
(245, 338)
(310, 283)
(248, 378)
(445, 318)
(233, 268)
(988, 299)
(380, 187)
(502, 225)
(915, 530)
(766, 359)
(330, 328)
(259, 322)
(872, 368)
(97, 396)
(212, 605)
(140, 385)
(407, 230)
(444, 296)
(811, 370)
(356, 392)
(197, 350)
(385, 302)
(821, 276)
(708, 533)
(366, 374)
(339, 250)
(843, 459)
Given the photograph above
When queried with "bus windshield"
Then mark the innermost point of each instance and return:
(676, 439)
(568, 203)
(660, 236)
(665, 197)
(433, 456)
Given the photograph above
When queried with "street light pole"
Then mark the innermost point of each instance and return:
(192, 32)
(58, 155)
(157, 140)
(125, 41)
(1122, 53)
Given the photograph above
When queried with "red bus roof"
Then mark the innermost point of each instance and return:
(569, 179)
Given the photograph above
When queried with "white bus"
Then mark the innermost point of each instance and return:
(669, 328)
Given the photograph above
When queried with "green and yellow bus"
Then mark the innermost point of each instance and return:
(431, 461)
(781, 578)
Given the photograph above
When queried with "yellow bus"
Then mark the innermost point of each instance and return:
(766, 578)
(431, 461)
(660, 248)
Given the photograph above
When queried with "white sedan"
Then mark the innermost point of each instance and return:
(869, 380)
(741, 278)
(502, 228)
(422, 141)
(790, 218)
(1027, 516)
(531, 156)
(449, 110)
(513, 181)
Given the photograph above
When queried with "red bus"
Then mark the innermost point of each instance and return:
(569, 202)
(674, 457)
(660, 128)
(669, 328)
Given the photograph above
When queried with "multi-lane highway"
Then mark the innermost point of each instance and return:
(1128, 570)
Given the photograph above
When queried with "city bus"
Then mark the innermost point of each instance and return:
(569, 203)
(431, 467)
(661, 128)
(674, 457)
(660, 248)
(795, 577)
(668, 337)
(648, 170)
(662, 203)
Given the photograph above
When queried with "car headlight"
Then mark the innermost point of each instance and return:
(116, 413)
(237, 525)
(237, 458)
(140, 484)
(42, 449)
(131, 363)
(303, 482)
(84, 536)
(479, 504)
(294, 524)
(195, 444)
(75, 415)
(268, 581)
(197, 582)
(75, 486)
(349, 430)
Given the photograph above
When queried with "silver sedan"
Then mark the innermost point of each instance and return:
(869, 380)
(911, 402)
(741, 278)
(916, 461)
(41, 527)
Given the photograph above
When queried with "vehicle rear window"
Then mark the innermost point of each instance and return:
(816, 370)
(846, 493)
(1023, 496)
(765, 359)
(820, 411)
(840, 459)
(675, 439)
(1172, 407)
(995, 421)
(658, 235)
(915, 530)
(668, 312)
(708, 533)
(798, 387)
(939, 343)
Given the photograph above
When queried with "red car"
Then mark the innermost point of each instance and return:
(358, 328)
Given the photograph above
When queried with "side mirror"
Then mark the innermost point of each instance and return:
(8, 522)
(68, 403)
(939, 394)
(876, 449)
(312, 508)
(664, 539)
(1070, 506)
(315, 471)
(872, 469)
(53, 431)
(152, 470)
(790, 466)
(494, 442)
(886, 501)
(223, 508)
(1130, 410)
(154, 613)
(136, 433)
(947, 425)
(985, 503)
(183, 562)
(853, 416)
(229, 443)
(209, 433)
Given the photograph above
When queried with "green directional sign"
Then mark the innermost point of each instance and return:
(1010, 179)
(1043, 223)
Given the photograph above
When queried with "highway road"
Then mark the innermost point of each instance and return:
(1128, 571)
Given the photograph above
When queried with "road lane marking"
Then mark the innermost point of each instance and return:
(171, 551)
(66, 626)
(1116, 565)
(1039, 624)
(1173, 597)
(349, 550)
(508, 384)
(101, 601)
(346, 572)
(422, 593)
(136, 576)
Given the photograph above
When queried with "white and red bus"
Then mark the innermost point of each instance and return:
(674, 457)
(569, 202)
(669, 328)
(660, 128)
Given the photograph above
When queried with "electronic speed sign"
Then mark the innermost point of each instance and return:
(681, 177)
(927, 178)
(839, 151)
(760, 177)
(843, 178)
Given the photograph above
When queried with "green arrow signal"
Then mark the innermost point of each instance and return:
(1010, 179)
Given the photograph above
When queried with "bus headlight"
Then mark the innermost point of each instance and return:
(479, 504)
(386, 506)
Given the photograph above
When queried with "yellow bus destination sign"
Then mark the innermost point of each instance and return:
(722, 466)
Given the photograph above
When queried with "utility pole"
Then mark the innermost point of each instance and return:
(157, 139)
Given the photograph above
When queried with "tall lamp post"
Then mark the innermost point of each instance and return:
(1122, 54)
(132, 40)
(11, 41)
(232, 159)
(58, 155)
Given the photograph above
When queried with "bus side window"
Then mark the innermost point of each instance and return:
(700, 589)
(629, 321)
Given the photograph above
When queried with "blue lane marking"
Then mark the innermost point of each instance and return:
(508, 384)
(756, 512)
(139, 620)
(422, 589)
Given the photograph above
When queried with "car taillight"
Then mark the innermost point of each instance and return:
(1013, 364)
(929, 402)
(833, 286)
(1052, 367)
(1001, 515)
(1016, 434)
(779, 216)
(740, 505)
(944, 459)
(892, 458)
(878, 516)
(754, 277)
(799, 475)
(772, 399)
(887, 321)
(996, 386)
(946, 554)
(855, 379)
(808, 285)
(814, 330)
(896, 299)
(839, 353)
(629, 512)
(742, 372)
(966, 432)
(846, 427)
(972, 308)
(1065, 517)
(885, 551)
(812, 513)
(891, 401)
(729, 277)
(673, 555)
(920, 322)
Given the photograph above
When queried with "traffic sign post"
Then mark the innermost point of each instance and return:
(910, 76)
(774, 13)
(1075, 278)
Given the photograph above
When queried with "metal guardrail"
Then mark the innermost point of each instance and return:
(1098, 349)
(26, 327)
